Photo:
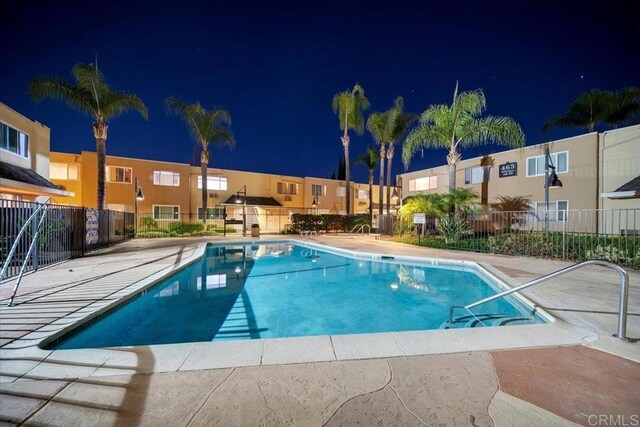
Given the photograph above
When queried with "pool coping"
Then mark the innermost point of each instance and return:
(76, 363)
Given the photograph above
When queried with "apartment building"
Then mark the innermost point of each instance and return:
(598, 171)
(24, 159)
(173, 191)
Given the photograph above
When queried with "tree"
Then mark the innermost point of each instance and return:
(206, 127)
(89, 94)
(514, 210)
(349, 106)
(596, 107)
(387, 128)
(459, 125)
(370, 159)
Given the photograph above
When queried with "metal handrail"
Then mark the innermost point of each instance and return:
(360, 228)
(34, 239)
(22, 230)
(622, 305)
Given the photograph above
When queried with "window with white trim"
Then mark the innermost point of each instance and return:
(557, 210)
(14, 141)
(318, 190)
(214, 183)
(535, 165)
(362, 194)
(424, 183)
(166, 178)
(212, 281)
(287, 188)
(118, 174)
(477, 175)
(63, 171)
(166, 212)
(341, 192)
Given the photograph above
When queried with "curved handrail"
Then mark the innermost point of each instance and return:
(622, 304)
(360, 229)
(22, 230)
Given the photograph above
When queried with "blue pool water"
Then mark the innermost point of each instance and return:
(284, 290)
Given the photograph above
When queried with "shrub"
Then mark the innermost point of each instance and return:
(613, 254)
(183, 227)
(221, 230)
(452, 227)
(148, 222)
(327, 222)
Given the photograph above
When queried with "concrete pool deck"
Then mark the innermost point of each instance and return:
(55, 297)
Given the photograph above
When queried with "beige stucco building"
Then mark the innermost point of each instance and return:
(24, 159)
(173, 191)
(592, 167)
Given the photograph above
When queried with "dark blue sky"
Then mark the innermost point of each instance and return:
(276, 65)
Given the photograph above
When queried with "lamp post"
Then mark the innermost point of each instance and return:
(243, 191)
(314, 204)
(139, 196)
(550, 181)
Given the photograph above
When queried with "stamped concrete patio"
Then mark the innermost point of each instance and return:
(176, 385)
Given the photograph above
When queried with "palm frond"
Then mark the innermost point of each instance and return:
(63, 90)
(205, 126)
(493, 130)
(114, 104)
(369, 159)
(423, 136)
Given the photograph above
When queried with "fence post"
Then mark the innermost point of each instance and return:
(564, 231)
(34, 230)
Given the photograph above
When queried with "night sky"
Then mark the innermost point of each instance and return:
(275, 66)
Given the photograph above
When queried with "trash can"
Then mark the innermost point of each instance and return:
(255, 230)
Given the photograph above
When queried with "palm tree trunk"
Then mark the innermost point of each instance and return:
(381, 183)
(100, 133)
(347, 171)
(204, 162)
(370, 196)
(389, 160)
(452, 160)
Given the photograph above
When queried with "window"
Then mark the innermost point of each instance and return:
(166, 212)
(422, 184)
(287, 188)
(116, 207)
(557, 210)
(14, 141)
(214, 183)
(341, 192)
(363, 194)
(318, 190)
(169, 179)
(119, 174)
(212, 213)
(535, 165)
(63, 171)
(477, 175)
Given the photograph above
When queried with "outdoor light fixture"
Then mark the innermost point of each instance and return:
(243, 191)
(314, 204)
(553, 181)
(138, 196)
(238, 270)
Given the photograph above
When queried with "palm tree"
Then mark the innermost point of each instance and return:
(460, 125)
(370, 159)
(206, 127)
(349, 106)
(90, 95)
(599, 106)
(387, 128)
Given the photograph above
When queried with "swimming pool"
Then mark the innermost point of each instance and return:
(284, 289)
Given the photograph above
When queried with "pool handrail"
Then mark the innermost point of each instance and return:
(622, 304)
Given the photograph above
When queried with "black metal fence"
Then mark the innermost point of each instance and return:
(576, 235)
(64, 232)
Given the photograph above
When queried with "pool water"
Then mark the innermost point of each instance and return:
(285, 290)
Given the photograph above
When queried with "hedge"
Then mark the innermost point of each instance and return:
(327, 222)
(182, 227)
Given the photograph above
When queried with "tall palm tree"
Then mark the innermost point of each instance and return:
(370, 159)
(587, 111)
(91, 95)
(206, 127)
(460, 125)
(349, 106)
(625, 105)
(387, 129)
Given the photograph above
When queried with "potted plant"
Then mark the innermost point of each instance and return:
(255, 230)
